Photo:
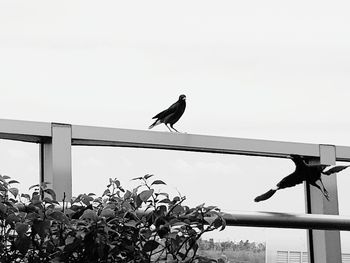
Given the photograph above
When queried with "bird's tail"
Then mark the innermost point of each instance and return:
(265, 196)
(154, 124)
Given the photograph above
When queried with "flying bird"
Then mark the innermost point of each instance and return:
(171, 115)
(310, 173)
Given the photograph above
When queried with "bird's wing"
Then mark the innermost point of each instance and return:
(288, 181)
(335, 169)
(167, 112)
(291, 180)
(265, 196)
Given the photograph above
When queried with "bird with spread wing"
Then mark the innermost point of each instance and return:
(310, 173)
(171, 115)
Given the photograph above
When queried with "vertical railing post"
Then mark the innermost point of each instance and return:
(56, 161)
(324, 246)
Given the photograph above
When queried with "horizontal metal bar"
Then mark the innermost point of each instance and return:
(28, 131)
(98, 136)
(343, 153)
(286, 220)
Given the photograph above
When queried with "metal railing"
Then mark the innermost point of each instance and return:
(56, 141)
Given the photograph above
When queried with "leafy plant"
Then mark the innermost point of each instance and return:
(138, 225)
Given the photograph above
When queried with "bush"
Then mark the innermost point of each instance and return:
(141, 225)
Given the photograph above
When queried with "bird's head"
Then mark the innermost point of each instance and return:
(296, 157)
(182, 97)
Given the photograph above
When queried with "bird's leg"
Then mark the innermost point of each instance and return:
(173, 128)
(325, 193)
(324, 188)
(168, 127)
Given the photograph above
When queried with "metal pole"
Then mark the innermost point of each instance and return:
(324, 245)
(56, 161)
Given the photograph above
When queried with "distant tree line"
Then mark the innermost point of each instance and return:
(232, 246)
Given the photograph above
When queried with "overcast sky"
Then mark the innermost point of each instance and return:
(257, 69)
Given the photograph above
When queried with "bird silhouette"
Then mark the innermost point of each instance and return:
(310, 173)
(171, 115)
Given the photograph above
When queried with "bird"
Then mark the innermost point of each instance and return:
(171, 115)
(311, 173)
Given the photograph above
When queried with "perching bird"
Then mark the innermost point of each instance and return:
(310, 173)
(171, 115)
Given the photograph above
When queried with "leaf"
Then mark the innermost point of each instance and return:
(163, 194)
(98, 200)
(210, 219)
(21, 207)
(51, 192)
(14, 191)
(47, 200)
(146, 194)
(146, 233)
(87, 199)
(176, 199)
(179, 224)
(200, 206)
(148, 176)
(33, 186)
(44, 184)
(162, 209)
(68, 211)
(175, 221)
(131, 223)
(21, 228)
(137, 178)
(31, 208)
(27, 196)
(117, 183)
(223, 224)
(6, 177)
(218, 222)
(127, 206)
(107, 212)
(89, 214)
(127, 195)
(23, 244)
(134, 191)
(165, 201)
(150, 245)
(138, 201)
(12, 218)
(178, 209)
(13, 182)
(106, 192)
(69, 240)
(3, 188)
(59, 216)
(158, 182)
(211, 208)
(3, 208)
(41, 227)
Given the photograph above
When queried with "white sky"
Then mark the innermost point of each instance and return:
(257, 69)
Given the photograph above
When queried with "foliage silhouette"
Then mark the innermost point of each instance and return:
(138, 225)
